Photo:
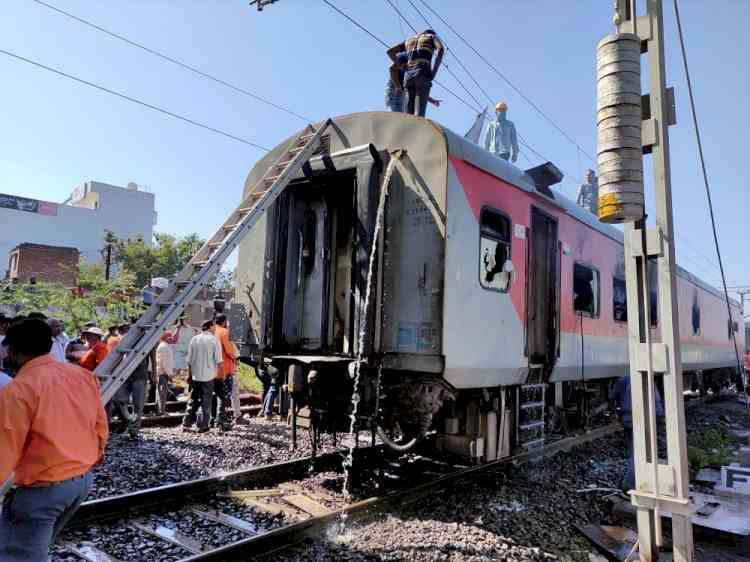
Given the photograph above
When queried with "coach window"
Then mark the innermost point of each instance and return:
(620, 300)
(585, 290)
(495, 267)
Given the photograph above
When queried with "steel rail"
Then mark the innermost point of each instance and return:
(289, 535)
(113, 507)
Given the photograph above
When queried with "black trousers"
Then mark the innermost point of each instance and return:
(200, 398)
(417, 94)
(223, 393)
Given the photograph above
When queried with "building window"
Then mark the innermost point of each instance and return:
(620, 300)
(494, 250)
(14, 264)
(695, 315)
(585, 290)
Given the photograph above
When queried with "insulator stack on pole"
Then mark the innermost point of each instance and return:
(618, 122)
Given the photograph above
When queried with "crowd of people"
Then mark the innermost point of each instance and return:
(54, 426)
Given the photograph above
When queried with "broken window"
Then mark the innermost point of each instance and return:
(494, 251)
(585, 290)
(620, 300)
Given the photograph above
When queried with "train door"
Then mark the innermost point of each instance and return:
(305, 313)
(542, 291)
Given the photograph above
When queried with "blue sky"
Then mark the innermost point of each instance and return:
(301, 54)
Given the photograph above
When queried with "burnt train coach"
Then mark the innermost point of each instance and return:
(491, 297)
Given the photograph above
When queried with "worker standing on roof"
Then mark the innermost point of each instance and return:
(394, 88)
(502, 138)
(97, 349)
(588, 193)
(420, 73)
(53, 431)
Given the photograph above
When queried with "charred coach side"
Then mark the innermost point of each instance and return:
(496, 306)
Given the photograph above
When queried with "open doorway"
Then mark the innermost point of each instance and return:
(315, 249)
(542, 290)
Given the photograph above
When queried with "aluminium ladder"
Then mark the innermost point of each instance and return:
(144, 335)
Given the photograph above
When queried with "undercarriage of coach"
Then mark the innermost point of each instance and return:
(328, 393)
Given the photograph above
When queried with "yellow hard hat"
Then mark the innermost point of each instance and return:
(501, 106)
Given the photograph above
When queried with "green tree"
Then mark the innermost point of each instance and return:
(166, 257)
(94, 300)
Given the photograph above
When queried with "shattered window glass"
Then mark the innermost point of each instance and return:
(494, 250)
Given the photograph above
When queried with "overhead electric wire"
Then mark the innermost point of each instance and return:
(507, 81)
(705, 180)
(445, 64)
(386, 45)
(133, 100)
(175, 61)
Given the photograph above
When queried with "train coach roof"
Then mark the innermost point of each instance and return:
(429, 144)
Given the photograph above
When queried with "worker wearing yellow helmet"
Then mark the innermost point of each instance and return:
(502, 138)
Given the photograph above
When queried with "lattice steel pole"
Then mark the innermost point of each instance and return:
(659, 486)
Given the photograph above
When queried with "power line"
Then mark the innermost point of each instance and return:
(174, 61)
(445, 64)
(133, 100)
(379, 40)
(507, 81)
(705, 178)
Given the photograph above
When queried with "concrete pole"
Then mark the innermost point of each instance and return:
(658, 486)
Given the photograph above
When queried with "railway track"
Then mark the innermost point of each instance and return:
(251, 513)
(175, 410)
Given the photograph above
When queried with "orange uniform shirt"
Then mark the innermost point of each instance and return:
(52, 423)
(94, 356)
(228, 366)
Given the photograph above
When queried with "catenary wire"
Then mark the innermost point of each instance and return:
(133, 100)
(507, 81)
(705, 179)
(386, 45)
(174, 61)
(445, 64)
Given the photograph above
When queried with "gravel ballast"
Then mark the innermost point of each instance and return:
(168, 455)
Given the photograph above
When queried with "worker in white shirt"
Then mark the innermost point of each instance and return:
(59, 340)
(203, 360)
(164, 370)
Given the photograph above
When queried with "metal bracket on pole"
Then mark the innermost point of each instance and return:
(654, 243)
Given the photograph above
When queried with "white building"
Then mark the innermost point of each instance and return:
(80, 221)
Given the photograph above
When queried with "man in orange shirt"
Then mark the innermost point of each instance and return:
(97, 348)
(225, 373)
(53, 429)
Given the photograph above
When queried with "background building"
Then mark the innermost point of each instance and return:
(52, 264)
(80, 221)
